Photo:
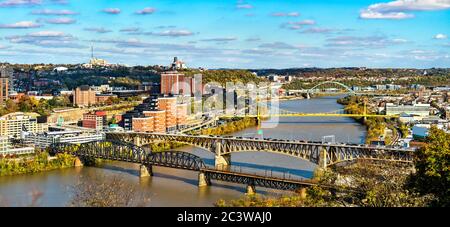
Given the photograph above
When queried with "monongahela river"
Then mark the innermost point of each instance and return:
(171, 187)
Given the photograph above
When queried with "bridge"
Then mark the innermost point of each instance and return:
(318, 88)
(127, 152)
(322, 154)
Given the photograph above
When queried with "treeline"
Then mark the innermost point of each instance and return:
(235, 125)
(38, 163)
(224, 76)
(30, 104)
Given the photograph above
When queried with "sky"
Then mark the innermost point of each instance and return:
(229, 33)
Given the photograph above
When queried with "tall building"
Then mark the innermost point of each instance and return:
(169, 104)
(84, 96)
(159, 120)
(95, 120)
(13, 124)
(172, 83)
(182, 112)
(6, 77)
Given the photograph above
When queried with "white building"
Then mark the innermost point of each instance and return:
(422, 110)
(44, 140)
(6, 149)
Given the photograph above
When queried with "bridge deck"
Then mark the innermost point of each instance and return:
(305, 182)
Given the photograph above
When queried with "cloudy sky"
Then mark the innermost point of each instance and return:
(229, 33)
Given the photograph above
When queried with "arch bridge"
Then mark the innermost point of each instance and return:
(345, 87)
(324, 155)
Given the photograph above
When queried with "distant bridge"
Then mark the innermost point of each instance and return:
(127, 152)
(323, 155)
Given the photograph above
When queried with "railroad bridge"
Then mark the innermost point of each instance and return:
(127, 152)
(324, 155)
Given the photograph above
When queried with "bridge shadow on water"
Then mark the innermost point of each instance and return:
(194, 182)
(261, 169)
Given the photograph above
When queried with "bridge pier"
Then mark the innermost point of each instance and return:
(222, 161)
(77, 162)
(145, 171)
(251, 190)
(323, 159)
(137, 141)
(302, 192)
(203, 180)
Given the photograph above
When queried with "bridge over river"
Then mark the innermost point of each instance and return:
(127, 152)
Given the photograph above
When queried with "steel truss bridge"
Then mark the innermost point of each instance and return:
(323, 155)
(127, 152)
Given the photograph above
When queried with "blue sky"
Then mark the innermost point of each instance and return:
(229, 33)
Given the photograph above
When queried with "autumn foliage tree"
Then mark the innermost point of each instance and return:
(432, 164)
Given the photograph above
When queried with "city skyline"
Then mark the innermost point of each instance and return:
(229, 34)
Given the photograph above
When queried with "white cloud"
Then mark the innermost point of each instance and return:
(440, 36)
(145, 11)
(281, 14)
(399, 9)
(53, 12)
(13, 3)
(21, 24)
(61, 20)
(112, 10)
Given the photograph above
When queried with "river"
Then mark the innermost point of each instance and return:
(171, 187)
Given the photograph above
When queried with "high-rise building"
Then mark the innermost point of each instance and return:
(6, 77)
(95, 120)
(169, 104)
(172, 83)
(182, 112)
(14, 124)
(84, 96)
(159, 120)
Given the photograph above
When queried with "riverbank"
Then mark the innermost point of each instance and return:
(375, 126)
(234, 125)
(38, 163)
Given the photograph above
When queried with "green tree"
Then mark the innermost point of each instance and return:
(433, 167)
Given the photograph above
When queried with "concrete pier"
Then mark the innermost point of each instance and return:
(203, 180)
(145, 171)
(78, 162)
(222, 161)
(251, 190)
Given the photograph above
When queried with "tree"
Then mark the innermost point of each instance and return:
(107, 191)
(432, 164)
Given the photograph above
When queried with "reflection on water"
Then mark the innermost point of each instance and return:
(172, 187)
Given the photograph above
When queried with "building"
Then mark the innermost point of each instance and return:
(44, 140)
(172, 83)
(177, 64)
(169, 105)
(84, 96)
(95, 120)
(422, 110)
(103, 98)
(159, 120)
(143, 124)
(7, 149)
(182, 113)
(6, 76)
(15, 124)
